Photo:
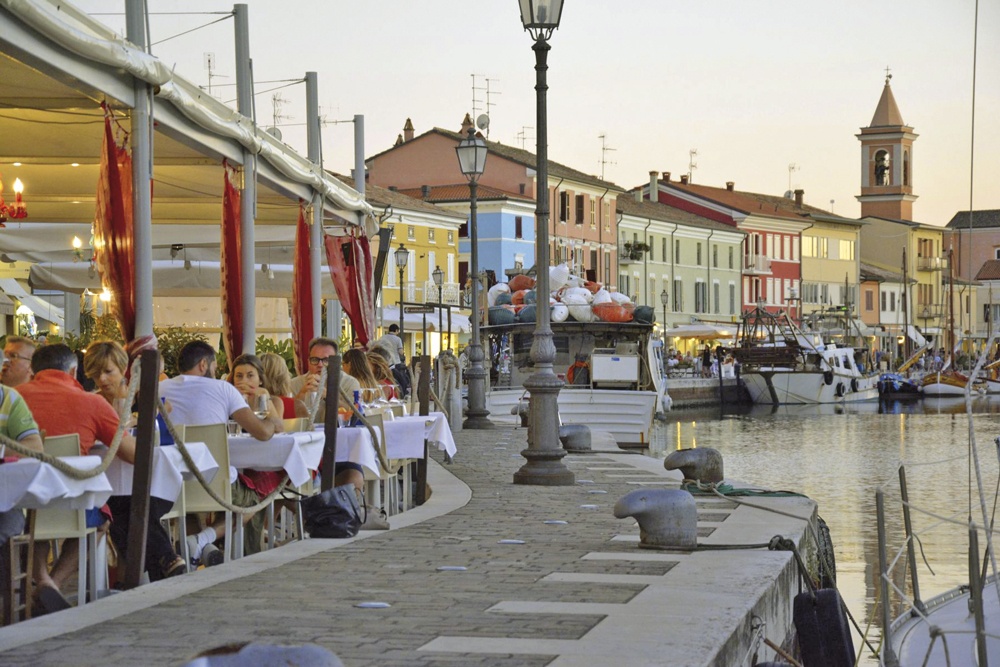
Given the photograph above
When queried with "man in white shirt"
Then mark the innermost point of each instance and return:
(393, 343)
(196, 398)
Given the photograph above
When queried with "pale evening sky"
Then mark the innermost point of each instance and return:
(754, 86)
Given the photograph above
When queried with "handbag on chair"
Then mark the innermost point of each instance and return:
(334, 513)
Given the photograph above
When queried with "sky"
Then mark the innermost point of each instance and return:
(770, 93)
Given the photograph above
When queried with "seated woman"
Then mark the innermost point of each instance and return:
(383, 374)
(247, 375)
(278, 381)
(356, 365)
(105, 362)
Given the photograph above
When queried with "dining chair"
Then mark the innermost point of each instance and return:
(178, 512)
(60, 524)
(15, 579)
(197, 499)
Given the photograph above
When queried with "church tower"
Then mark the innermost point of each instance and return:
(887, 162)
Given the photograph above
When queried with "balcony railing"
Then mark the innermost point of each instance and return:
(932, 263)
(451, 293)
(757, 265)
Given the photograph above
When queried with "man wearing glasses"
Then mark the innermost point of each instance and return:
(17, 351)
(320, 351)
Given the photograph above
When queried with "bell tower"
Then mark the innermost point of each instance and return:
(887, 161)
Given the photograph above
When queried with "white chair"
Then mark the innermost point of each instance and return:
(178, 512)
(59, 524)
(197, 499)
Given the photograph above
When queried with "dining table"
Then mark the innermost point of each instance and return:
(169, 470)
(31, 484)
(298, 454)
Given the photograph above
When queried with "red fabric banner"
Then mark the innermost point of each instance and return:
(302, 295)
(350, 260)
(231, 267)
(113, 225)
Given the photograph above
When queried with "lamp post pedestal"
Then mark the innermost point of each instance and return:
(544, 454)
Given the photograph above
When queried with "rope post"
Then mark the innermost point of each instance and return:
(142, 476)
(330, 422)
(424, 394)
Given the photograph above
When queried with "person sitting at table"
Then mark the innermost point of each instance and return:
(16, 368)
(18, 424)
(278, 381)
(356, 365)
(383, 375)
(62, 407)
(105, 363)
(320, 350)
(197, 398)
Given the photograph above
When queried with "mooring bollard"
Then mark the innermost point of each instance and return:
(667, 518)
(702, 464)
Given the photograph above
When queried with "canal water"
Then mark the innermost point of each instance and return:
(840, 455)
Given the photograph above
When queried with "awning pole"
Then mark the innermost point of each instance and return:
(315, 155)
(248, 197)
(142, 176)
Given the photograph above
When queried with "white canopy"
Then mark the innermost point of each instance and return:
(700, 331)
(414, 322)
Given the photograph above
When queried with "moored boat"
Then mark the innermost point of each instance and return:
(893, 386)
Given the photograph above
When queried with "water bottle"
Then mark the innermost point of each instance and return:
(355, 420)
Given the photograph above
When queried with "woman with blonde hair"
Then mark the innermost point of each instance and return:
(277, 380)
(382, 373)
(356, 365)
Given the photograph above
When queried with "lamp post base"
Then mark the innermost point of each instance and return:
(544, 454)
(477, 413)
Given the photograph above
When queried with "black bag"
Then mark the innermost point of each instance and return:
(334, 513)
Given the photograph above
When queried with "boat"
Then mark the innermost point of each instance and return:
(896, 387)
(779, 364)
(620, 394)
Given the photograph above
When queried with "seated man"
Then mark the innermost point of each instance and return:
(62, 407)
(196, 398)
(16, 368)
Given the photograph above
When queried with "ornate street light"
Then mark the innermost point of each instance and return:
(472, 161)
(544, 453)
(664, 299)
(438, 276)
(402, 255)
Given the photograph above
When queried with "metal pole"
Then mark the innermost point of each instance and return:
(544, 455)
(141, 144)
(248, 197)
(401, 305)
(889, 658)
(910, 549)
(976, 596)
(315, 154)
(478, 414)
(441, 318)
(142, 475)
(330, 423)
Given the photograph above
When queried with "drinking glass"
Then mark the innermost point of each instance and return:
(232, 427)
(262, 406)
(312, 401)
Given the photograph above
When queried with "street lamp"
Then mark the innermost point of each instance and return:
(438, 276)
(472, 161)
(544, 453)
(402, 255)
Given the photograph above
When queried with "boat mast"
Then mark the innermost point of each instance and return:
(907, 349)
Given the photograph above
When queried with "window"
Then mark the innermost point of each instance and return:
(786, 247)
(677, 251)
(715, 257)
(795, 248)
(607, 216)
(730, 257)
(451, 237)
(623, 283)
(563, 207)
(607, 268)
(698, 254)
(732, 298)
(892, 302)
(678, 295)
(869, 300)
(463, 230)
(996, 253)
(715, 297)
(593, 213)
(884, 294)
(431, 235)
(652, 249)
(700, 297)
(411, 233)
(518, 227)
(846, 249)
(663, 249)
(579, 209)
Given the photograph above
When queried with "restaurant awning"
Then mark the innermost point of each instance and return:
(700, 332)
(414, 322)
(40, 307)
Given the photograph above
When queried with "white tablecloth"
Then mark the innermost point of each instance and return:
(30, 484)
(169, 471)
(355, 445)
(295, 453)
(435, 429)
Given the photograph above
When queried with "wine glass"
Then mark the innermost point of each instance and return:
(312, 401)
(262, 407)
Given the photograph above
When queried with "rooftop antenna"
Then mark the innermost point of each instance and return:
(832, 202)
(489, 104)
(276, 116)
(692, 164)
(792, 167)
(475, 91)
(522, 136)
(210, 66)
(605, 149)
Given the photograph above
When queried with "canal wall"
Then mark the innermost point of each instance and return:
(698, 392)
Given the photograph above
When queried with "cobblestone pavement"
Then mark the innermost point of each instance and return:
(514, 603)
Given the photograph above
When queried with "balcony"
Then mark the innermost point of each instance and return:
(932, 263)
(630, 253)
(757, 265)
(451, 293)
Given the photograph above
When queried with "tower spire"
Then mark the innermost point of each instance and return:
(887, 158)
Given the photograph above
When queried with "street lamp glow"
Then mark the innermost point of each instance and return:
(471, 153)
(541, 17)
(402, 255)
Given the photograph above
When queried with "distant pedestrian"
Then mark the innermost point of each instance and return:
(706, 362)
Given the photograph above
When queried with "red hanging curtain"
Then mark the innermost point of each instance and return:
(113, 229)
(350, 260)
(232, 266)
(302, 295)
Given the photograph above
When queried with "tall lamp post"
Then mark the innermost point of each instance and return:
(472, 161)
(544, 454)
(664, 299)
(438, 276)
(402, 255)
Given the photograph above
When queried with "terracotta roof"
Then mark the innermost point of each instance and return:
(382, 197)
(980, 219)
(460, 192)
(879, 274)
(627, 205)
(990, 270)
(520, 156)
(887, 113)
(756, 203)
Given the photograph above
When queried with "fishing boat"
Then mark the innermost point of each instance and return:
(779, 364)
(896, 387)
(619, 393)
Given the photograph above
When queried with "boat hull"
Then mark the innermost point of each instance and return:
(783, 386)
(626, 415)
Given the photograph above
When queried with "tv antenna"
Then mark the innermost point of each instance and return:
(522, 136)
(276, 116)
(792, 167)
(489, 104)
(692, 163)
(210, 66)
(605, 149)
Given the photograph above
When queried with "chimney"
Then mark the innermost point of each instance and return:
(399, 140)
(466, 124)
(730, 185)
(684, 179)
(654, 187)
(638, 194)
(798, 197)
(408, 130)
(666, 176)
(425, 191)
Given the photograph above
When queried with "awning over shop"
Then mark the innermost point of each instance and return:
(414, 322)
(40, 307)
(700, 331)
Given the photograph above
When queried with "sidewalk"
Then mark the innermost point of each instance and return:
(574, 593)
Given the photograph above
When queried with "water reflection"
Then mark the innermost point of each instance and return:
(839, 456)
